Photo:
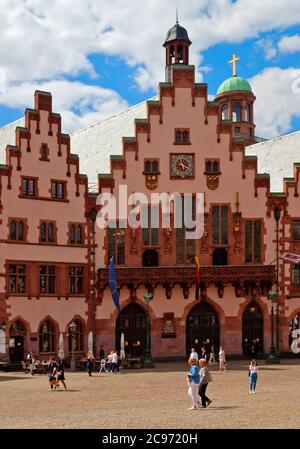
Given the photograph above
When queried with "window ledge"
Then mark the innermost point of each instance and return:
(42, 198)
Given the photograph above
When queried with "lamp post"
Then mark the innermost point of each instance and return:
(72, 328)
(272, 356)
(148, 362)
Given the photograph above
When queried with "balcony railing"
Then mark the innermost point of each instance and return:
(171, 275)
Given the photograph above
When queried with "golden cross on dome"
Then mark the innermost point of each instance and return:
(233, 62)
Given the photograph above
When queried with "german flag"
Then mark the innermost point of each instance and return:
(197, 261)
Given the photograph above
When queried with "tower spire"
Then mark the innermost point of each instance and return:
(177, 22)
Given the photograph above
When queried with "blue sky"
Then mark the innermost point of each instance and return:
(96, 67)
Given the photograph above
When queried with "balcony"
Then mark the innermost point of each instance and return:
(237, 275)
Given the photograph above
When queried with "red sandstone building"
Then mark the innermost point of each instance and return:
(53, 257)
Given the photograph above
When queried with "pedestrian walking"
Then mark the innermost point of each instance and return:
(253, 368)
(204, 353)
(60, 375)
(222, 360)
(205, 378)
(90, 361)
(103, 366)
(194, 355)
(193, 381)
(212, 358)
(109, 361)
(31, 362)
(52, 373)
(114, 362)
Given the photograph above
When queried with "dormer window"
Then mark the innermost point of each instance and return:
(182, 136)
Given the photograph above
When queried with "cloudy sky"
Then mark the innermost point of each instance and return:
(99, 56)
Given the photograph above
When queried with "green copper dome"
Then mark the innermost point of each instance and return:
(234, 83)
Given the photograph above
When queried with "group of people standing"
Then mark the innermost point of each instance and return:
(109, 364)
(210, 357)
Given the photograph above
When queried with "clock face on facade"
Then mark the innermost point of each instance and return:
(182, 165)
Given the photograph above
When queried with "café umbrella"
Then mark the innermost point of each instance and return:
(61, 353)
(90, 341)
(122, 346)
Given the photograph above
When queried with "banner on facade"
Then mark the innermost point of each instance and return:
(291, 257)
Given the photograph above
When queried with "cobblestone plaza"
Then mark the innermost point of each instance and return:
(154, 398)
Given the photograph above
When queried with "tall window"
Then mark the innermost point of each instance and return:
(182, 136)
(47, 279)
(116, 244)
(47, 337)
(17, 230)
(185, 248)
(17, 278)
(76, 280)
(296, 230)
(78, 337)
(236, 112)
(58, 190)
(47, 232)
(296, 275)
(44, 152)
(150, 220)
(248, 113)
(220, 225)
(252, 241)
(76, 234)
(224, 112)
(29, 187)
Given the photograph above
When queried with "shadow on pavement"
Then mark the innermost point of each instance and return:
(5, 378)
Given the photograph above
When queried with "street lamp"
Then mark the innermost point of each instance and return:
(148, 362)
(272, 356)
(72, 328)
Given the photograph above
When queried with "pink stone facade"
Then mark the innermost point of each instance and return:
(66, 278)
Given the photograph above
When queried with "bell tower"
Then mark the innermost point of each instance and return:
(177, 48)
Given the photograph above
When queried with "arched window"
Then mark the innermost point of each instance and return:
(78, 337)
(154, 167)
(21, 230)
(172, 54)
(47, 337)
(50, 232)
(208, 167)
(180, 54)
(248, 113)
(147, 167)
(72, 234)
(13, 230)
(215, 166)
(224, 112)
(236, 112)
(43, 232)
(79, 235)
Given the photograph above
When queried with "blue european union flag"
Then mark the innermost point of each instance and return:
(113, 283)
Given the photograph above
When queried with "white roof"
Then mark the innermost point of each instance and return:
(276, 157)
(95, 144)
(7, 137)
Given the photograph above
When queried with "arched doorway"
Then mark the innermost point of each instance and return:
(132, 322)
(253, 330)
(150, 258)
(17, 335)
(202, 328)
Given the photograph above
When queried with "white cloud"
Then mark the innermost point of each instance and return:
(277, 102)
(46, 40)
(289, 44)
(79, 104)
(268, 47)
